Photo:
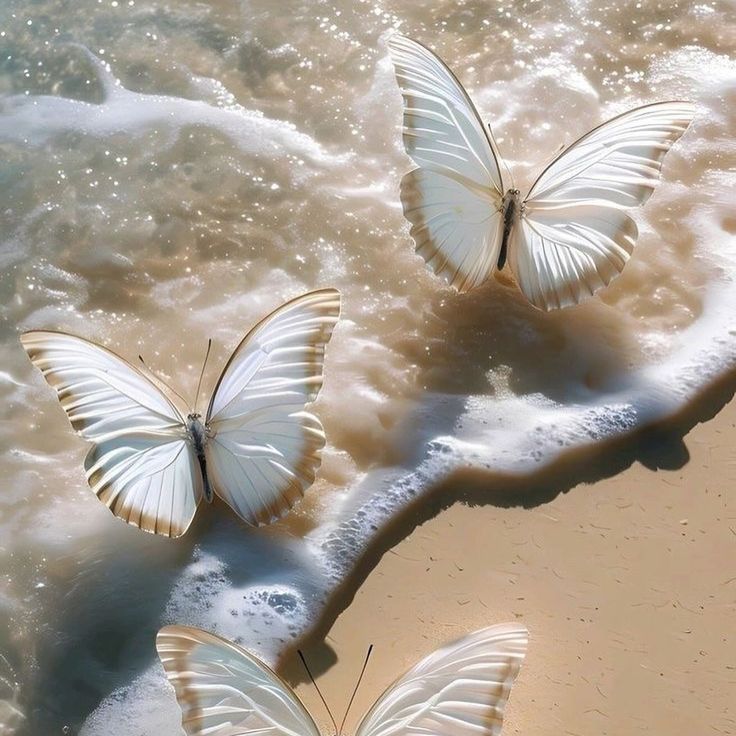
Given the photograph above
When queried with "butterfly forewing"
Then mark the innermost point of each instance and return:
(225, 691)
(101, 393)
(574, 236)
(442, 129)
(453, 201)
(618, 162)
(263, 448)
(461, 689)
(140, 464)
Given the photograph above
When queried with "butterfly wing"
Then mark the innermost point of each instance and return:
(140, 464)
(264, 449)
(453, 200)
(225, 691)
(461, 689)
(574, 235)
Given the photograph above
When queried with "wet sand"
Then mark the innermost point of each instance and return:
(627, 585)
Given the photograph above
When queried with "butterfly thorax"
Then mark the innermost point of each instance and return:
(197, 430)
(197, 433)
(511, 207)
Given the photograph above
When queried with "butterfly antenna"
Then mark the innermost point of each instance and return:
(161, 381)
(357, 685)
(204, 365)
(498, 156)
(321, 697)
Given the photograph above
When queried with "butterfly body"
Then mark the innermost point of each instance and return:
(511, 208)
(198, 433)
(569, 235)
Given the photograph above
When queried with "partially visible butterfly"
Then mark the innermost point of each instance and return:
(459, 690)
(257, 448)
(569, 236)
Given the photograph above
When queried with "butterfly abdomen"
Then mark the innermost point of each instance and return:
(197, 436)
(511, 208)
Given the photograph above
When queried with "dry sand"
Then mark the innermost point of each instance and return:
(627, 585)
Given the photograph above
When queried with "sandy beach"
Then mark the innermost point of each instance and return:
(627, 586)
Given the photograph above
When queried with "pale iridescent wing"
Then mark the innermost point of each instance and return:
(264, 448)
(225, 691)
(140, 464)
(574, 236)
(461, 689)
(453, 200)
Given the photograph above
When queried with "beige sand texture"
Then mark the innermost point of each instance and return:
(627, 585)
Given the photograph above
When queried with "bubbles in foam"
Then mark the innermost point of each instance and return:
(11, 715)
(146, 707)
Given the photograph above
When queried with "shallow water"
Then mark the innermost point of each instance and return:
(174, 170)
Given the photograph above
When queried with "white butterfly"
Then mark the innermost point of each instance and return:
(459, 690)
(569, 236)
(257, 447)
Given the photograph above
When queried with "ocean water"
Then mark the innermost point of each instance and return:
(173, 170)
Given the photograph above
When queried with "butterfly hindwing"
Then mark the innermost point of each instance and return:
(457, 232)
(264, 448)
(453, 200)
(562, 256)
(574, 236)
(225, 691)
(461, 689)
(140, 464)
